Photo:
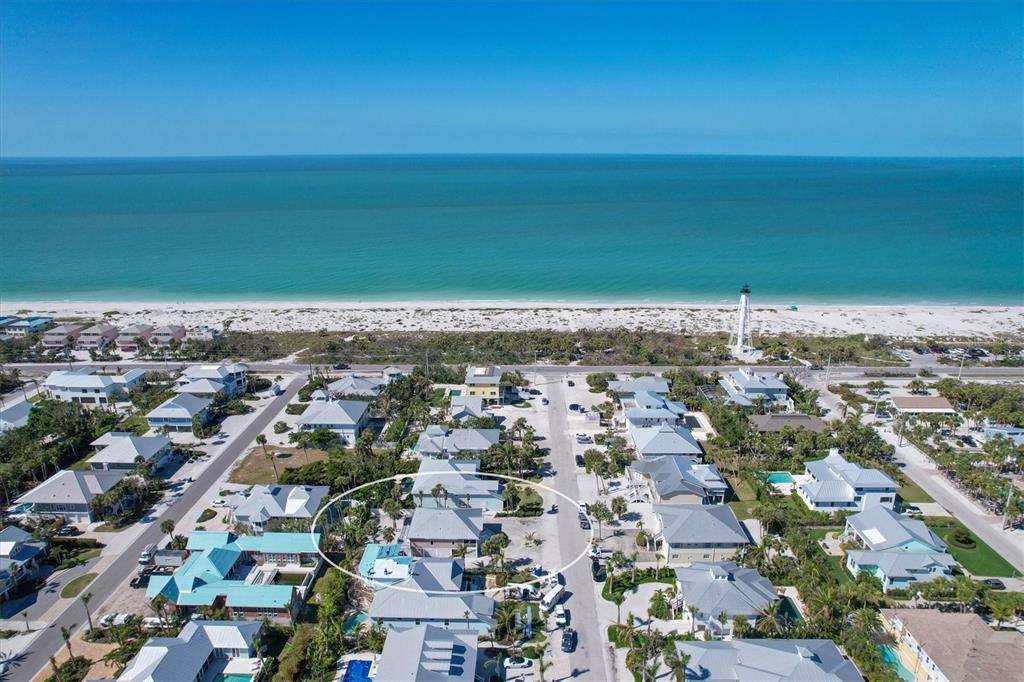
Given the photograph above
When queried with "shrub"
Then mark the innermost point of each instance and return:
(280, 427)
(206, 515)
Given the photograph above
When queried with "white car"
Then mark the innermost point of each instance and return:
(516, 662)
(561, 619)
(219, 502)
(114, 619)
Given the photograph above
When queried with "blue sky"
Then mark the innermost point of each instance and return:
(242, 78)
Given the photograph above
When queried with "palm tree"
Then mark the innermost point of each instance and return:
(1000, 611)
(617, 599)
(675, 661)
(435, 492)
(693, 617)
(86, 598)
(167, 527)
(740, 626)
(866, 620)
(388, 533)
(261, 440)
(632, 563)
(768, 622)
(542, 662)
(66, 636)
(460, 551)
(723, 619)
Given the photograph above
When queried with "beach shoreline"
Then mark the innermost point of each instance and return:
(906, 321)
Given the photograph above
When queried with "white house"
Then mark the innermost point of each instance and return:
(834, 484)
(119, 450)
(86, 387)
(462, 484)
(67, 494)
(201, 379)
(694, 532)
(433, 595)
(177, 413)
(347, 418)
(203, 650)
(746, 387)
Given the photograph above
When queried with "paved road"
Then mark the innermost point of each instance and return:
(589, 655)
(112, 578)
(554, 370)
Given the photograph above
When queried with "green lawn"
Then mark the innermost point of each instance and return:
(836, 563)
(743, 510)
(73, 588)
(741, 490)
(980, 561)
(911, 492)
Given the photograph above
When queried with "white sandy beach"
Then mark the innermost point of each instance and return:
(890, 320)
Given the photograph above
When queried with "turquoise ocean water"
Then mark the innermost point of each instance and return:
(617, 228)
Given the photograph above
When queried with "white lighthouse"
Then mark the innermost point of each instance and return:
(741, 341)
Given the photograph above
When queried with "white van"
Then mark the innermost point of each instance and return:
(552, 598)
(146, 555)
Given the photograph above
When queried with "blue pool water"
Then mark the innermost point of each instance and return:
(890, 657)
(354, 621)
(235, 677)
(779, 477)
(357, 671)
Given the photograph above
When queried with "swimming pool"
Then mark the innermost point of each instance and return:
(890, 657)
(353, 622)
(357, 671)
(233, 677)
(779, 477)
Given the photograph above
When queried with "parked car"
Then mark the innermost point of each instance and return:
(544, 401)
(584, 522)
(114, 619)
(574, 407)
(561, 619)
(816, 368)
(568, 640)
(153, 623)
(994, 584)
(341, 365)
(579, 461)
(67, 531)
(219, 502)
(140, 581)
(516, 663)
(571, 382)
(584, 507)
(598, 571)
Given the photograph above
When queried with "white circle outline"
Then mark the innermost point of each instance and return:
(399, 478)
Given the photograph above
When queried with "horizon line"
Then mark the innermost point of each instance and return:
(8, 158)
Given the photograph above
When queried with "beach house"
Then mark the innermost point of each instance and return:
(665, 440)
(767, 660)
(62, 336)
(20, 556)
(66, 495)
(85, 387)
(357, 386)
(719, 591)
(434, 594)
(129, 337)
(120, 450)
(898, 551)
(267, 505)
(775, 422)
(444, 532)
(23, 326)
(484, 383)
(428, 652)
(933, 646)
(177, 413)
(465, 407)
(229, 379)
(676, 480)
(384, 565)
(747, 388)
(254, 576)
(167, 336)
(441, 441)
(627, 390)
(834, 484)
(204, 651)
(96, 337)
(460, 485)
(695, 532)
(346, 418)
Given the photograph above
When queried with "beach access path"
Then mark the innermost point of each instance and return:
(49, 641)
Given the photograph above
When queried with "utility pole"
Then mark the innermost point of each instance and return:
(1006, 507)
(961, 372)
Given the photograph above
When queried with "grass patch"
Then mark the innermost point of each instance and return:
(437, 398)
(836, 564)
(911, 492)
(521, 404)
(135, 423)
(289, 578)
(743, 510)
(741, 490)
(206, 515)
(293, 656)
(256, 468)
(981, 560)
(74, 588)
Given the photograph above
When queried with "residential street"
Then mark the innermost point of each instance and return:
(589, 658)
(114, 574)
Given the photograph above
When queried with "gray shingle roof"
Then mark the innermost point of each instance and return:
(458, 476)
(432, 575)
(768, 660)
(716, 586)
(357, 385)
(427, 653)
(700, 524)
(445, 524)
(267, 502)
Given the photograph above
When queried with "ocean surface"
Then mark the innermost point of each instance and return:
(574, 228)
